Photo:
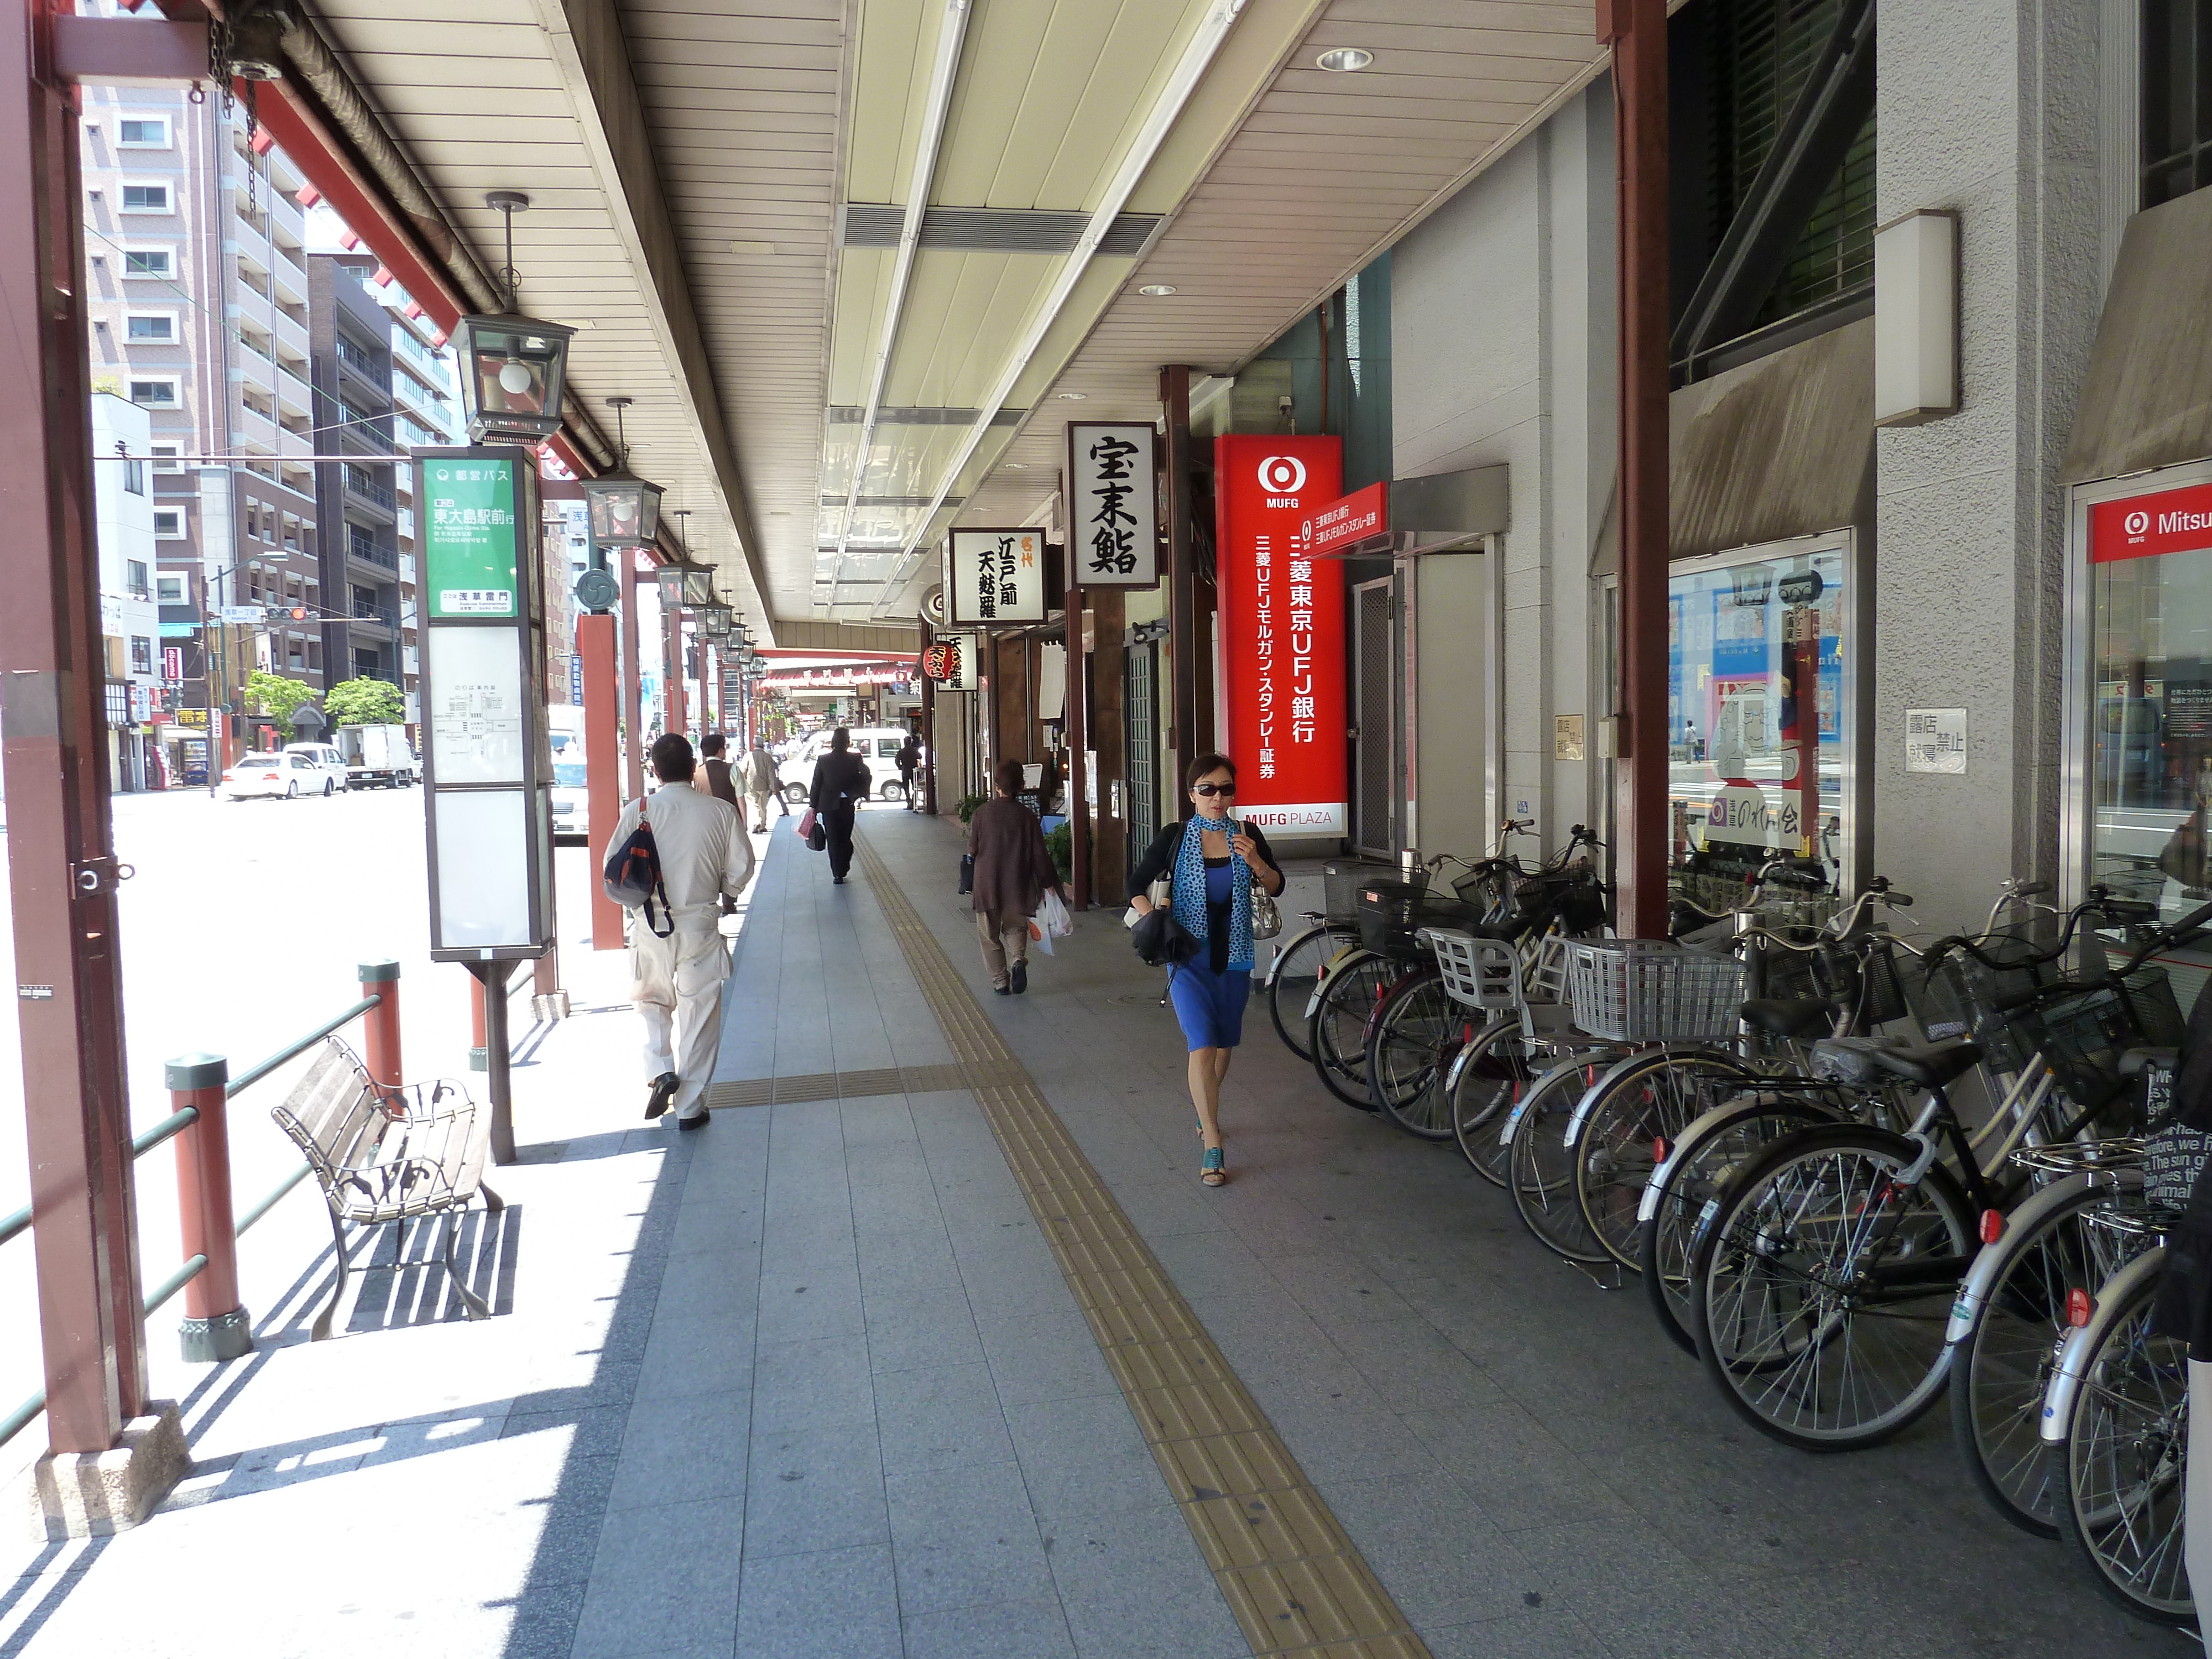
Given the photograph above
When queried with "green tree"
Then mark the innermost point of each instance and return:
(363, 702)
(274, 695)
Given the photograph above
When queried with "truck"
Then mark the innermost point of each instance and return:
(377, 756)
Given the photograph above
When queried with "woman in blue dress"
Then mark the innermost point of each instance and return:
(1214, 862)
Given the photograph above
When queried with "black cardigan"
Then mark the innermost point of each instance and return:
(1159, 860)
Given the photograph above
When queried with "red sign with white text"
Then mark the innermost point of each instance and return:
(2142, 526)
(1282, 632)
(1336, 525)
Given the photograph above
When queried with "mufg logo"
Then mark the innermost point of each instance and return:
(2136, 522)
(1282, 476)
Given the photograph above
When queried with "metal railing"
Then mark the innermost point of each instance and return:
(206, 1113)
(368, 489)
(384, 615)
(361, 547)
(355, 358)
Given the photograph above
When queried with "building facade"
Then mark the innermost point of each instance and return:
(129, 624)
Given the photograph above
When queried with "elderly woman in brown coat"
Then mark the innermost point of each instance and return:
(1013, 868)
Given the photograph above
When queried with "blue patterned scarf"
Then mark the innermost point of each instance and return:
(1188, 900)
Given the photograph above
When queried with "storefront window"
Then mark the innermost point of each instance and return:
(1755, 704)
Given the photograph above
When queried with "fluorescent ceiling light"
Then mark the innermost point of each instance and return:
(1072, 397)
(754, 250)
(1156, 290)
(1344, 59)
(1015, 466)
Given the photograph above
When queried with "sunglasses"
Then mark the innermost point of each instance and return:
(1210, 790)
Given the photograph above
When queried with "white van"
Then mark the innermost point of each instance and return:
(878, 746)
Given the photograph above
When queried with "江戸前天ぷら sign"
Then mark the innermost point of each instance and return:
(996, 576)
(468, 543)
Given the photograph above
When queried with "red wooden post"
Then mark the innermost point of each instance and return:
(379, 1026)
(478, 1061)
(216, 1326)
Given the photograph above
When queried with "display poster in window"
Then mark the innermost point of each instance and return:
(468, 542)
(996, 576)
(1282, 632)
(1113, 535)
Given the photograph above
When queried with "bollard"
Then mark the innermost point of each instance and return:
(476, 1024)
(379, 1027)
(215, 1326)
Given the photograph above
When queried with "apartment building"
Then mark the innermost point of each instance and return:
(129, 627)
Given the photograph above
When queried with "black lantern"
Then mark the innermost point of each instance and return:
(625, 510)
(511, 367)
(686, 585)
(714, 621)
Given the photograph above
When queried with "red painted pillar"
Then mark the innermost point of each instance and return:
(672, 622)
(216, 1326)
(379, 1026)
(1637, 31)
(478, 1060)
(595, 644)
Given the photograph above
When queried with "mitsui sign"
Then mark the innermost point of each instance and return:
(2143, 527)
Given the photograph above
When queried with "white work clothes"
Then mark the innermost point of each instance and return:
(677, 981)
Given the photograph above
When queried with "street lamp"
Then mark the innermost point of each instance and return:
(685, 584)
(625, 509)
(511, 366)
(714, 621)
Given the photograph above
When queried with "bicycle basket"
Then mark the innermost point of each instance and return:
(1957, 996)
(2082, 1033)
(1340, 885)
(1392, 912)
(1867, 984)
(1652, 991)
(1479, 973)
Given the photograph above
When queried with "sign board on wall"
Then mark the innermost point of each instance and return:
(1338, 525)
(1936, 740)
(2143, 527)
(1282, 632)
(996, 576)
(1113, 535)
(469, 553)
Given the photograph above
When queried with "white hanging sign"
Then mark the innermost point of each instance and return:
(996, 576)
(1113, 526)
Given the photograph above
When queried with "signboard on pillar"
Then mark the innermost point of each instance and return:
(1282, 632)
(1112, 497)
(995, 576)
(485, 758)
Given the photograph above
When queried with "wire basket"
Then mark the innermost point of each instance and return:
(1959, 996)
(1392, 912)
(1340, 885)
(1479, 973)
(1652, 991)
(2081, 1033)
(1865, 982)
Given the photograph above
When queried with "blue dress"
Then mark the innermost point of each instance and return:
(1209, 996)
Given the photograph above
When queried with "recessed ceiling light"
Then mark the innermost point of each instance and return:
(1156, 290)
(1341, 60)
(756, 250)
(779, 512)
(1015, 466)
(1072, 396)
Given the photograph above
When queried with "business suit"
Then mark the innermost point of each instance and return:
(841, 783)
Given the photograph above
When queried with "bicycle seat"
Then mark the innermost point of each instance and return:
(1858, 1060)
(2135, 1061)
(1789, 1017)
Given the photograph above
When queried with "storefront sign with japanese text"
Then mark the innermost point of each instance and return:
(2142, 526)
(1338, 525)
(469, 553)
(1113, 523)
(1282, 632)
(996, 576)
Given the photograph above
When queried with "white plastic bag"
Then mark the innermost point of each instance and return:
(1051, 921)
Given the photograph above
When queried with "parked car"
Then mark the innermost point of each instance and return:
(288, 776)
(378, 756)
(878, 746)
(327, 764)
(572, 807)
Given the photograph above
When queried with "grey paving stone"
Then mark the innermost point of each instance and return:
(684, 1450)
(1337, 1288)
(941, 1417)
(1084, 1457)
(817, 1383)
(597, 1432)
(1510, 1466)
(1040, 1356)
(923, 1328)
(687, 1352)
(838, 1604)
(898, 1262)
(666, 1579)
(1544, 1633)
(964, 1536)
(1415, 1367)
(1346, 1433)
(798, 1303)
(993, 1630)
(1134, 1586)
(1432, 1548)
(818, 1491)
(1012, 1283)
(1212, 1264)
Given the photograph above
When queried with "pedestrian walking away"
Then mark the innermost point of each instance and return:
(841, 784)
(676, 980)
(1211, 863)
(713, 776)
(757, 771)
(909, 761)
(1013, 869)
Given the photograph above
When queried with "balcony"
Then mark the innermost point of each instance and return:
(364, 427)
(385, 616)
(367, 552)
(358, 483)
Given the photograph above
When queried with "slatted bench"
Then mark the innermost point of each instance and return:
(387, 1153)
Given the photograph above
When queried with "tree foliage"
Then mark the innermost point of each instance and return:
(363, 702)
(275, 697)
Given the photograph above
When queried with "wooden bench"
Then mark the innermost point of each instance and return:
(387, 1154)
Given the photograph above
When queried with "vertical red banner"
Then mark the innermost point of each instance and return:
(1282, 632)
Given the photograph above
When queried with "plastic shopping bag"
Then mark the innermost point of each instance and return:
(806, 825)
(1053, 914)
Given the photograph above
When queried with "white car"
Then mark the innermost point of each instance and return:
(878, 746)
(572, 806)
(327, 764)
(287, 776)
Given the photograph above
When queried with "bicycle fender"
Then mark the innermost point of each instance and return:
(1991, 1260)
(1705, 1124)
(1589, 1102)
(2064, 1388)
(1535, 1092)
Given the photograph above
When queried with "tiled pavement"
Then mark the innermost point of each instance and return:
(811, 1383)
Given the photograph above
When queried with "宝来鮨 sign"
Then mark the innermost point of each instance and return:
(2142, 526)
(1282, 632)
(1352, 518)
(1112, 527)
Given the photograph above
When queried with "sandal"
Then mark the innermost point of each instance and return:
(1210, 1172)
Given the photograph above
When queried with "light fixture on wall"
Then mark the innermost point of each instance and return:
(1915, 318)
(1342, 60)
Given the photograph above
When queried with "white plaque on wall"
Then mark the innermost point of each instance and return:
(1936, 740)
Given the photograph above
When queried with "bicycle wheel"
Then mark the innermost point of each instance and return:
(1821, 1286)
(1296, 977)
(1639, 1110)
(2123, 1467)
(2002, 1367)
(1336, 1036)
(1489, 1076)
(1417, 1032)
(1540, 1172)
(1697, 1167)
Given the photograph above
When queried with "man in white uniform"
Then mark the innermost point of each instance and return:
(677, 981)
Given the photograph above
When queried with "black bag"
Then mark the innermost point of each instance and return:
(1162, 941)
(967, 872)
(632, 877)
(817, 838)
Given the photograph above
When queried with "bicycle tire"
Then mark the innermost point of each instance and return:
(2003, 1365)
(1336, 1036)
(1711, 1151)
(2133, 1400)
(1807, 1197)
(1486, 1081)
(1541, 1173)
(1638, 1109)
(1297, 975)
(1416, 1032)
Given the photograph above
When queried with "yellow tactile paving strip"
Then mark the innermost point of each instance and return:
(1296, 1581)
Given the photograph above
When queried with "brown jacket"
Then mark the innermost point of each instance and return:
(1012, 867)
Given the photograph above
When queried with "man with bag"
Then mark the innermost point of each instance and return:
(757, 771)
(698, 852)
(1012, 872)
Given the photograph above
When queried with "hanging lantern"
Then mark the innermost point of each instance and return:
(685, 586)
(625, 510)
(512, 369)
